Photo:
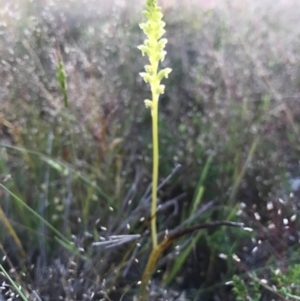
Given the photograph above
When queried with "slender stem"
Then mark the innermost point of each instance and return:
(153, 46)
(154, 113)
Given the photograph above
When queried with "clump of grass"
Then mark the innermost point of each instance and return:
(226, 117)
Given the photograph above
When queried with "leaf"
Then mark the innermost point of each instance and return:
(61, 78)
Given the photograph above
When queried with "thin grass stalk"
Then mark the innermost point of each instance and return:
(14, 284)
(12, 232)
(64, 167)
(243, 171)
(60, 237)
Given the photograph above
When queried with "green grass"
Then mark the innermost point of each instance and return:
(229, 116)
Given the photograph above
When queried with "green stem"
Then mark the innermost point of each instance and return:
(154, 113)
